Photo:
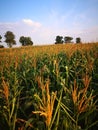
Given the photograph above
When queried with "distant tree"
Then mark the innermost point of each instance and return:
(10, 38)
(25, 41)
(0, 38)
(68, 39)
(59, 40)
(1, 46)
(78, 40)
(22, 40)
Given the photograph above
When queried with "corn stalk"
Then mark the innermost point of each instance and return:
(46, 104)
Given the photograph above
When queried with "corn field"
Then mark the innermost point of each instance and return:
(49, 87)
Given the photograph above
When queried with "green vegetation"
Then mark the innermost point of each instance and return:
(49, 87)
(78, 40)
(0, 38)
(25, 41)
(68, 39)
(59, 40)
(10, 38)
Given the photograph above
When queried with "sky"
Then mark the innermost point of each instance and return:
(43, 20)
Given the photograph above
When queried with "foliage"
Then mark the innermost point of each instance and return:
(68, 39)
(1, 46)
(46, 104)
(49, 87)
(10, 38)
(78, 40)
(25, 41)
(0, 38)
(59, 40)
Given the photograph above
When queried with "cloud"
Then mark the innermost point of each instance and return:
(39, 34)
(46, 33)
(31, 23)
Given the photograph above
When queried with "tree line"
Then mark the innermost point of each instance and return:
(66, 39)
(10, 40)
(25, 41)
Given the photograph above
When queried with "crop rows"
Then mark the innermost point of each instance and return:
(49, 87)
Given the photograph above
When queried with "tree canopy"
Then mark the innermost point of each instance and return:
(25, 41)
(78, 40)
(0, 38)
(59, 40)
(1, 46)
(10, 38)
(68, 39)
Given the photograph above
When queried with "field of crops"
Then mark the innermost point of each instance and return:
(49, 87)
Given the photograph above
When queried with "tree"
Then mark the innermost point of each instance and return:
(10, 38)
(59, 40)
(68, 39)
(22, 40)
(78, 40)
(1, 46)
(25, 41)
(0, 38)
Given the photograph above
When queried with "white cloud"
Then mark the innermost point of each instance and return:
(31, 23)
(46, 34)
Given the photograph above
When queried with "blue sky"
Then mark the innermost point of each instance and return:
(43, 20)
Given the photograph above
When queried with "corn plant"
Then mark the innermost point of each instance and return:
(68, 100)
(46, 104)
(84, 104)
(9, 108)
